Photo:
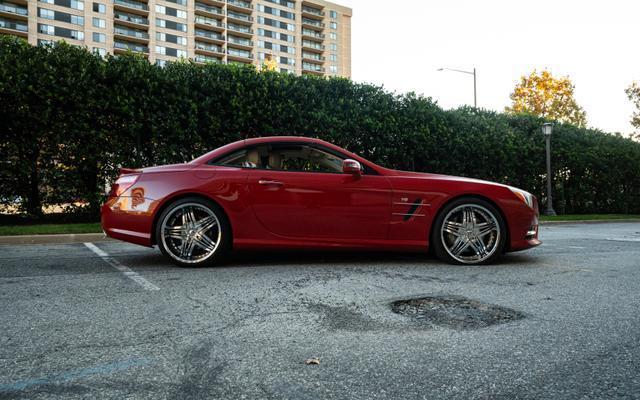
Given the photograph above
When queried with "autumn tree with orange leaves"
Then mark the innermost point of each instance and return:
(546, 96)
(633, 92)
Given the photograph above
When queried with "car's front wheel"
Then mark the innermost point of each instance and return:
(193, 232)
(469, 231)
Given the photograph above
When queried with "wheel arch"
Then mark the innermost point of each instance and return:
(472, 196)
(183, 195)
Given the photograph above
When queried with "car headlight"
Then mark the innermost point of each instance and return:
(526, 197)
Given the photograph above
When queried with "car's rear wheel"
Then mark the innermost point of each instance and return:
(469, 231)
(193, 232)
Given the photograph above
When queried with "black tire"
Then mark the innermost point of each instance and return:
(199, 206)
(438, 240)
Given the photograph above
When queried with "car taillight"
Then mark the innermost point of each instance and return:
(122, 184)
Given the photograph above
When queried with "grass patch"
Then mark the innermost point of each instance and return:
(48, 229)
(94, 227)
(588, 217)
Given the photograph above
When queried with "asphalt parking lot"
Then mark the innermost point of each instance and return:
(112, 320)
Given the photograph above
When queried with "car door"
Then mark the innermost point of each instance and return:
(295, 195)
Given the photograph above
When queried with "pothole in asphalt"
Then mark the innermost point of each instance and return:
(455, 312)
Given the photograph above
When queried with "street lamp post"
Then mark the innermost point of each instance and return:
(547, 130)
(475, 91)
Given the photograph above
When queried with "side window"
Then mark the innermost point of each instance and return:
(303, 158)
(287, 157)
(245, 158)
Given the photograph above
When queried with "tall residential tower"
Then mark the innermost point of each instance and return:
(302, 36)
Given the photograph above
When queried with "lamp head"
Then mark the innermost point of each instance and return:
(547, 129)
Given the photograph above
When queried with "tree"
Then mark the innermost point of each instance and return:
(543, 95)
(633, 92)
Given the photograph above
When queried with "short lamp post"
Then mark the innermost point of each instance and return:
(547, 130)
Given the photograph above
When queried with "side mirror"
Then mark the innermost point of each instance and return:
(352, 167)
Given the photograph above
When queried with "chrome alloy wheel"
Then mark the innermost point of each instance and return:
(470, 233)
(191, 233)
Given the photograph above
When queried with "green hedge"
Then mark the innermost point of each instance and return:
(70, 118)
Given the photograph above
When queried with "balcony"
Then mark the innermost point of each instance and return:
(120, 32)
(239, 5)
(312, 12)
(240, 29)
(124, 47)
(208, 36)
(13, 27)
(13, 11)
(239, 17)
(314, 46)
(240, 42)
(209, 23)
(209, 11)
(207, 48)
(312, 68)
(131, 6)
(133, 20)
(307, 22)
(239, 55)
(199, 58)
(312, 34)
(313, 57)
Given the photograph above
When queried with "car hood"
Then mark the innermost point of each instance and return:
(451, 178)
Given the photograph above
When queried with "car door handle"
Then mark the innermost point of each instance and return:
(268, 182)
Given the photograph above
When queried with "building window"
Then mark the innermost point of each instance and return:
(44, 13)
(171, 25)
(333, 25)
(333, 58)
(287, 61)
(46, 29)
(276, 12)
(286, 3)
(180, 2)
(75, 4)
(333, 14)
(59, 31)
(333, 46)
(171, 11)
(99, 37)
(167, 37)
(102, 52)
(169, 51)
(99, 8)
(99, 23)
(161, 63)
(333, 35)
(276, 23)
(61, 16)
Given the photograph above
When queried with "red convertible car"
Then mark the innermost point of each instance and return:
(296, 192)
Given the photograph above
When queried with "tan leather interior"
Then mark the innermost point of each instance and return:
(275, 161)
(253, 157)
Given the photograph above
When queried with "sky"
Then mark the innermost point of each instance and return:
(400, 44)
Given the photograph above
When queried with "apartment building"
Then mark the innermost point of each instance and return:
(301, 36)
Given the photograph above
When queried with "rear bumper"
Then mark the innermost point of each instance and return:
(125, 218)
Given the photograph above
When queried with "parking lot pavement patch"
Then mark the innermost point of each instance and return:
(73, 375)
(455, 312)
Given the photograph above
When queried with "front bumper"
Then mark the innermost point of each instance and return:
(524, 228)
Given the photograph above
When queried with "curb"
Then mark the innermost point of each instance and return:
(100, 237)
(595, 221)
(54, 239)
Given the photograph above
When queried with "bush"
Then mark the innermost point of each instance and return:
(71, 118)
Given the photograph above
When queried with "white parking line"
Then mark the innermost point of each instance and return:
(122, 268)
